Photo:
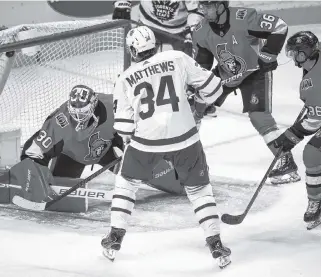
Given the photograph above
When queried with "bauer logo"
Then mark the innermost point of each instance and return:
(83, 9)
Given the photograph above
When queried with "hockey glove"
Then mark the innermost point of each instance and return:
(288, 139)
(187, 41)
(266, 61)
(122, 10)
(197, 117)
(199, 110)
(215, 70)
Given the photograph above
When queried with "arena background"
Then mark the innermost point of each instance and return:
(25, 12)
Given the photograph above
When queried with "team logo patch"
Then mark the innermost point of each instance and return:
(62, 120)
(254, 99)
(97, 147)
(229, 62)
(165, 10)
(241, 14)
(306, 84)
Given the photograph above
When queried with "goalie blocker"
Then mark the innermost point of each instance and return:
(35, 181)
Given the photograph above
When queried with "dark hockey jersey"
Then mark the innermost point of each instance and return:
(238, 45)
(310, 94)
(58, 135)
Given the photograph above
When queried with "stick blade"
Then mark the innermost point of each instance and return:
(28, 205)
(232, 219)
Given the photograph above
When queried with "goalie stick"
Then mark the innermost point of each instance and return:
(30, 205)
(237, 219)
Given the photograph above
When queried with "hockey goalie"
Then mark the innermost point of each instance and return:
(78, 133)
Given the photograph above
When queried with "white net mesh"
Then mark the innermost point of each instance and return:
(42, 76)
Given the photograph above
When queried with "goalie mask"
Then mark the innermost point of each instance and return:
(212, 10)
(141, 43)
(81, 106)
(302, 46)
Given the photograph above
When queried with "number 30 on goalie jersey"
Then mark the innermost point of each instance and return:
(151, 102)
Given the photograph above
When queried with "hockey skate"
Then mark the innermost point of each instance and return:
(312, 215)
(219, 252)
(285, 171)
(211, 111)
(111, 243)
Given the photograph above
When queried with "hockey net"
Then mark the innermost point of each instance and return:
(59, 56)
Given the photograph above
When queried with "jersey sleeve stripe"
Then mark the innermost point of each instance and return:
(167, 141)
(124, 133)
(214, 91)
(124, 120)
(207, 82)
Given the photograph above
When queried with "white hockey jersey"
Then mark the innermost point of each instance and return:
(170, 16)
(151, 104)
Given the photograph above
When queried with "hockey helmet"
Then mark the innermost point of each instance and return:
(302, 46)
(212, 10)
(141, 43)
(81, 105)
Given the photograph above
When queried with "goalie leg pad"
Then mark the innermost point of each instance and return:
(34, 179)
(312, 162)
(123, 201)
(204, 204)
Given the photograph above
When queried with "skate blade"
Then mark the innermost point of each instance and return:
(223, 261)
(211, 115)
(285, 179)
(313, 224)
(110, 254)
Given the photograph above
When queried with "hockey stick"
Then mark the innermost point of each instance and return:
(237, 76)
(30, 205)
(237, 219)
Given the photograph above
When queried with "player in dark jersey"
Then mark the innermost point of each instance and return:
(304, 48)
(235, 36)
(79, 133)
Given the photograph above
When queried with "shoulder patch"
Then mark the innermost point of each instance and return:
(62, 120)
(241, 14)
(306, 84)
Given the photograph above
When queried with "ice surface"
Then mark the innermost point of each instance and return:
(271, 242)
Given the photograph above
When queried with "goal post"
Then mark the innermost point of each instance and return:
(51, 58)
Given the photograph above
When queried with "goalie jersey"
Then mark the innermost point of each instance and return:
(151, 102)
(310, 94)
(170, 16)
(58, 135)
(239, 44)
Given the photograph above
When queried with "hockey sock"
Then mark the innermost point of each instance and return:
(123, 202)
(313, 185)
(265, 125)
(204, 205)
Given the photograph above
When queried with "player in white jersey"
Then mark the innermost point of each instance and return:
(153, 115)
(174, 17)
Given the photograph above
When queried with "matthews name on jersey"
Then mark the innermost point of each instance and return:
(58, 135)
(156, 89)
(170, 16)
(238, 45)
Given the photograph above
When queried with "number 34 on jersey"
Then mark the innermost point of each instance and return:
(150, 99)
